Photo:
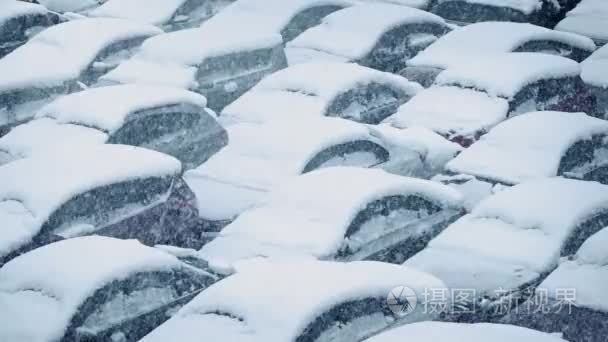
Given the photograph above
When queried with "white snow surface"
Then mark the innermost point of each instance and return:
(522, 148)
(344, 34)
(172, 58)
(32, 188)
(267, 305)
(525, 6)
(259, 157)
(472, 42)
(512, 237)
(587, 273)
(68, 5)
(587, 18)
(46, 286)
(155, 12)
(306, 90)
(68, 49)
(421, 4)
(451, 111)
(504, 75)
(12, 8)
(310, 214)
(595, 68)
(456, 332)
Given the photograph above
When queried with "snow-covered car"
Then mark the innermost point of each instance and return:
(19, 21)
(60, 60)
(511, 241)
(539, 12)
(345, 90)
(93, 288)
(260, 157)
(164, 119)
(114, 190)
(460, 332)
(171, 15)
(572, 300)
(289, 18)
(220, 62)
(301, 301)
(69, 5)
(595, 75)
(344, 214)
(587, 18)
(385, 39)
(475, 41)
(524, 148)
(467, 100)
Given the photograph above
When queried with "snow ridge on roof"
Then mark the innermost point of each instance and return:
(155, 12)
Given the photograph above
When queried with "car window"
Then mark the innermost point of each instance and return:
(306, 19)
(554, 48)
(383, 216)
(123, 300)
(398, 45)
(361, 153)
(22, 27)
(192, 13)
(473, 12)
(87, 212)
(369, 104)
(218, 68)
(583, 231)
(560, 94)
(349, 321)
(109, 58)
(586, 160)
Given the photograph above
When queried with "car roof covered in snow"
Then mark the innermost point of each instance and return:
(308, 89)
(512, 237)
(68, 5)
(261, 304)
(595, 68)
(587, 272)
(48, 285)
(310, 214)
(525, 6)
(344, 34)
(61, 52)
(506, 74)
(459, 112)
(12, 8)
(587, 18)
(525, 148)
(450, 332)
(260, 156)
(172, 58)
(155, 12)
(465, 43)
(33, 188)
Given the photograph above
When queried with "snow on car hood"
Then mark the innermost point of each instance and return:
(41, 184)
(587, 18)
(155, 12)
(595, 68)
(535, 153)
(68, 5)
(462, 44)
(12, 8)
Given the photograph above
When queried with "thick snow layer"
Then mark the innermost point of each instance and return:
(306, 90)
(172, 58)
(511, 237)
(587, 273)
(12, 8)
(421, 4)
(452, 332)
(462, 45)
(259, 157)
(587, 18)
(524, 6)
(155, 12)
(261, 304)
(522, 148)
(267, 16)
(46, 286)
(506, 74)
(106, 108)
(68, 5)
(310, 214)
(68, 49)
(595, 68)
(344, 34)
(451, 111)
(40, 185)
